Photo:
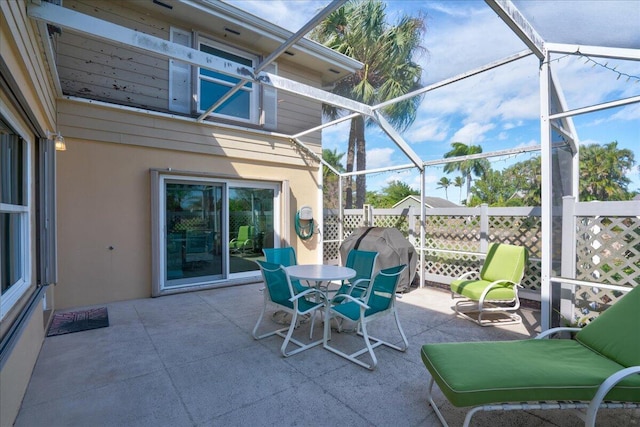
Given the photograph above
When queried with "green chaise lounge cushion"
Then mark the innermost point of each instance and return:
(479, 373)
(615, 334)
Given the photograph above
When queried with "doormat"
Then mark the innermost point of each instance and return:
(76, 321)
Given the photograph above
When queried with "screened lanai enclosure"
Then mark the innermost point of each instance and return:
(583, 256)
(586, 253)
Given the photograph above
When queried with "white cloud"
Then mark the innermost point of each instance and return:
(429, 129)
(472, 133)
(379, 157)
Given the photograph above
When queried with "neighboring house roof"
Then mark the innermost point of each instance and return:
(430, 202)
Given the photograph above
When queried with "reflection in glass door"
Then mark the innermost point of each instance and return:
(193, 233)
(251, 225)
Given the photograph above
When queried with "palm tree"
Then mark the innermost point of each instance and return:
(466, 167)
(603, 171)
(334, 159)
(331, 188)
(359, 30)
(444, 183)
(459, 182)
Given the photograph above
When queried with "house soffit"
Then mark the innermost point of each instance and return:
(240, 28)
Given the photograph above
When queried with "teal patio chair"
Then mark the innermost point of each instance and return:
(598, 368)
(379, 300)
(495, 289)
(243, 241)
(278, 292)
(363, 263)
(286, 257)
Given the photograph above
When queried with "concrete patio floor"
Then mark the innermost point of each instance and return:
(190, 360)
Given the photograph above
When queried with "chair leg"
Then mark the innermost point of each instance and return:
(292, 326)
(433, 403)
(404, 337)
(255, 328)
(374, 360)
(482, 309)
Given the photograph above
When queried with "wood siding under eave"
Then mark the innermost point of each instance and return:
(22, 60)
(100, 122)
(99, 70)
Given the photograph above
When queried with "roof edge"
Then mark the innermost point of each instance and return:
(278, 33)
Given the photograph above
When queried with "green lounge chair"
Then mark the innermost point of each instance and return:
(379, 300)
(495, 290)
(598, 368)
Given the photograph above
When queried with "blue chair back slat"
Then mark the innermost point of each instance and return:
(362, 262)
(383, 289)
(283, 256)
(277, 283)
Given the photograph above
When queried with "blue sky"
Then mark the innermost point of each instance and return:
(499, 109)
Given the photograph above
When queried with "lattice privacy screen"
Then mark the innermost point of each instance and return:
(449, 233)
(607, 251)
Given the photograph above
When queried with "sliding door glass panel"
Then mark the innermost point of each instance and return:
(251, 225)
(193, 239)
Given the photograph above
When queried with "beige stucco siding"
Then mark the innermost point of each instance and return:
(16, 373)
(100, 122)
(104, 191)
(30, 107)
(24, 64)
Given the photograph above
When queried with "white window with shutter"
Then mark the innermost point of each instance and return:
(195, 91)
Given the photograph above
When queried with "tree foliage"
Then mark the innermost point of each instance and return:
(603, 171)
(331, 186)
(466, 167)
(445, 183)
(359, 29)
(602, 176)
(391, 194)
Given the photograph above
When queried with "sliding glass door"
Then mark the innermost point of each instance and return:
(193, 230)
(211, 231)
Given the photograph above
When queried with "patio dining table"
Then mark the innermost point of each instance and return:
(320, 276)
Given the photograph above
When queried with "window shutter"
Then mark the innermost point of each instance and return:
(270, 102)
(180, 76)
(46, 212)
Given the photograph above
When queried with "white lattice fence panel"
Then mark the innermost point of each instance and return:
(590, 301)
(517, 230)
(330, 252)
(458, 233)
(607, 251)
(331, 228)
(451, 265)
(531, 280)
(401, 222)
(351, 222)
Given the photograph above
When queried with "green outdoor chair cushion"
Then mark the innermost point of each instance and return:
(616, 332)
(504, 262)
(472, 289)
(478, 373)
